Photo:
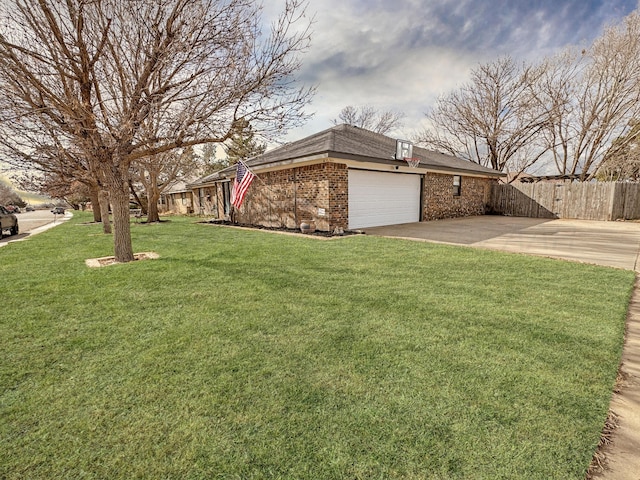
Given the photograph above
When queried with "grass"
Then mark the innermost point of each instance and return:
(249, 355)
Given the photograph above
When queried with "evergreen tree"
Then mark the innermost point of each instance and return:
(210, 163)
(243, 144)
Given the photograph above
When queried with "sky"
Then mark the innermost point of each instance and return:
(400, 55)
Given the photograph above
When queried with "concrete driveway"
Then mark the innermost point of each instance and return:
(612, 244)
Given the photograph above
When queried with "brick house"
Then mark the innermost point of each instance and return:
(348, 177)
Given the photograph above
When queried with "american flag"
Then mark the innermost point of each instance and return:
(241, 184)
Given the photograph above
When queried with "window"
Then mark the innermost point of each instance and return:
(457, 185)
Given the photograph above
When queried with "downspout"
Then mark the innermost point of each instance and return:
(295, 197)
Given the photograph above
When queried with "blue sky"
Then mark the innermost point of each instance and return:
(401, 54)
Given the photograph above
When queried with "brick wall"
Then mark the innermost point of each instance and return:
(439, 201)
(338, 195)
(285, 198)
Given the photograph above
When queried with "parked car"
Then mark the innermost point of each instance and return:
(58, 211)
(12, 209)
(8, 221)
(29, 208)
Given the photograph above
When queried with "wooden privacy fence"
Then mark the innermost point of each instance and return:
(585, 201)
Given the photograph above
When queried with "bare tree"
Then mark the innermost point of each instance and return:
(45, 163)
(92, 72)
(493, 120)
(74, 192)
(594, 96)
(158, 171)
(567, 110)
(8, 196)
(622, 160)
(370, 118)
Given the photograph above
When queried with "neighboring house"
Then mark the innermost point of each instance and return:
(520, 177)
(177, 199)
(206, 191)
(548, 178)
(347, 177)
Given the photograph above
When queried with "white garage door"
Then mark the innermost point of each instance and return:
(379, 198)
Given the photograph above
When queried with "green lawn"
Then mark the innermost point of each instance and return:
(247, 355)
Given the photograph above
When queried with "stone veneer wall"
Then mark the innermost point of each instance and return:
(439, 201)
(285, 198)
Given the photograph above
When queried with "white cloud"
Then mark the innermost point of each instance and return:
(401, 54)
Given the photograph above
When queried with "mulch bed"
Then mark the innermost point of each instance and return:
(316, 233)
(106, 261)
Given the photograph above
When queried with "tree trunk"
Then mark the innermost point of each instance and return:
(123, 249)
(103, 201)
(153, 195)
(153, 215)
(94, 193)
(140, 201)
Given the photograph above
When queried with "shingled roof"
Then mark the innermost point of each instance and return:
(353, 143)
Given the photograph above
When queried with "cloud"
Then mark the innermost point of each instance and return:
(401, 54)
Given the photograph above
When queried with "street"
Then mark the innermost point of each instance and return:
(29, 221)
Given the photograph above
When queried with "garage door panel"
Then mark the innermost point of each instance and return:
(380, 198)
